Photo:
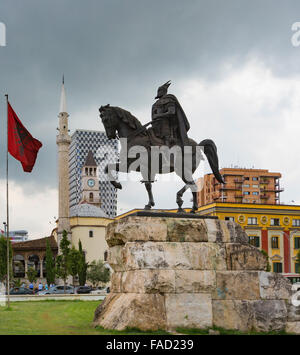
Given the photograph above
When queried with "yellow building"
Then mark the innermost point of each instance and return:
(88, 223)
(273, 228)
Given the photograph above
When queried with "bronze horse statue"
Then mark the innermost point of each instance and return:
(121, 124)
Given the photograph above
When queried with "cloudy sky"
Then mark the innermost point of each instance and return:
(232, 65)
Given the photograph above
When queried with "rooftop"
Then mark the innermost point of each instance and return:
(87, 210)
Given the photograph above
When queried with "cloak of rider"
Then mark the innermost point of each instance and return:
(179, 119)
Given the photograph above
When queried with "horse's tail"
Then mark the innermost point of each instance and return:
(210, 150)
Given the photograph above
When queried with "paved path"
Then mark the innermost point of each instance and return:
(82, 297)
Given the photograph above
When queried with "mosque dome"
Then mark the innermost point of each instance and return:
(87, 210)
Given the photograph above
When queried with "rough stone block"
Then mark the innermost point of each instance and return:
(274, 286)
(293, 327)
(188, 310)
(148, 281)
(116, 282)
(115, 258)
(130, 229)
(194, 281)
(175, 255)
(186, 230)
(244, 257)
(134, 310)
(232, 314)
(269, 315)
(293, 312)
(236, 285)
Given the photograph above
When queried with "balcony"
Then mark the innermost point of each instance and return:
(272, 189)
(238, 196)
(264, 180)
(240, 180)
(224, 188)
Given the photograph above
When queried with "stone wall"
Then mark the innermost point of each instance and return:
(193, 273)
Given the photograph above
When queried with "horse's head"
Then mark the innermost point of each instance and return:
(117, 120)
(109, 120)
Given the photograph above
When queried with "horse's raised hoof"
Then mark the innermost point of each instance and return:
(147, 207)
(180, 210)
(192, 211)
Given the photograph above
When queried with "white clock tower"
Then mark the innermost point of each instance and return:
(90, 182)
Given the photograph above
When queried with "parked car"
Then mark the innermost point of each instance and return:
(57, 290)
(101, 291)
(83, 289)
(20, 291)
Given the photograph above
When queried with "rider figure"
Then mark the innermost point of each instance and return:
(169, 120)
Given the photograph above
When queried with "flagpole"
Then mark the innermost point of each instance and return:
(7, 208)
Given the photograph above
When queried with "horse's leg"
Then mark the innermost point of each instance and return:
(190, 183)
(148, 179)
(108, 169)
(179, 199)
(148, 185)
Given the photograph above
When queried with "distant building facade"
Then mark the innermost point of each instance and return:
(273, 228)
(104, 151)
(241, 186)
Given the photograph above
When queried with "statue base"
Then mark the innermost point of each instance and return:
(191, 273)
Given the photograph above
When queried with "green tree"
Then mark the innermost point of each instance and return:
(97, 273)
(83, 265)
(62, 261)
(31, 274)
(50, 265)
(267, 257)
(17, 282)
(73, 263)
(3, 258)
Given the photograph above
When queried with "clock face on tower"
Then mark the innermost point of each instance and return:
(91, 182)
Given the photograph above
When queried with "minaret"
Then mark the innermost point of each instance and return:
(63, 141)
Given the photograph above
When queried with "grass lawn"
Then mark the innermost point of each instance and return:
(70, 318)
(53, 317)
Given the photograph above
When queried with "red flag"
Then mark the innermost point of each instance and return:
(21, 144)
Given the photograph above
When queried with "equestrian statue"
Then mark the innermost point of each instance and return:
(169, 130)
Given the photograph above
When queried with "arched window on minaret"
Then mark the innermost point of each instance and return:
(91, 171)
(91, 197)
(86, 171)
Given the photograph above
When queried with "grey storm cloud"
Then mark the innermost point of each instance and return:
(119, 51)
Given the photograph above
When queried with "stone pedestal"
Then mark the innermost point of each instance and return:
(192, 273)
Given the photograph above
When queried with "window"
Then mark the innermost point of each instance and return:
(254, 240)
(91, 234)
(296, 222)
(229, 219)
(246, 185)
(277, 267)
(255, 193)
(297, 243)
(255, 179)
(86, 171)
(275, 242)
(275, 222)
(297, 268)
(105, 255)
(246, 193)
(255, 186)
(252, 220)
(246, 178)
(91, 197)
